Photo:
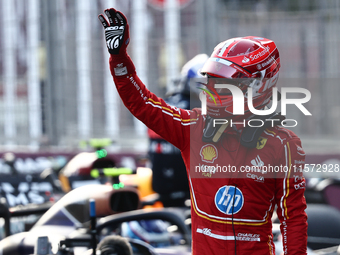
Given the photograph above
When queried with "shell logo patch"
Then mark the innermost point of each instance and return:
(261, 142)
(208, 153)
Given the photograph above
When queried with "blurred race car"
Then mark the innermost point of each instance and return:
(20, 193)
(68, 228)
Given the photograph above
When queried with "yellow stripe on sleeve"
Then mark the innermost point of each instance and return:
(287, 181)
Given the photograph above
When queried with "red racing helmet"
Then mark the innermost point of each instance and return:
(244, 62)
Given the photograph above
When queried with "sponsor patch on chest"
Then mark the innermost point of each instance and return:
(229, 200)
(208, 153)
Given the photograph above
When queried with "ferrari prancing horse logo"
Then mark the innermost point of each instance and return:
(261, 142)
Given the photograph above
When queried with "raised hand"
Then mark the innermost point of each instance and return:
(116, 31)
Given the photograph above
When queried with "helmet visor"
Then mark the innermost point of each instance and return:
(222, 68)
(211, 83)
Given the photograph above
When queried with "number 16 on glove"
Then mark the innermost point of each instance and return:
(116, 31)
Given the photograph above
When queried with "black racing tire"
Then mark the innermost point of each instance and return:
(323, 226)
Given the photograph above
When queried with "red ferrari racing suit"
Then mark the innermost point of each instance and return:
(232, 204)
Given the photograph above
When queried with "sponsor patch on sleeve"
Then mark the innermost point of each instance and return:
(120, 70)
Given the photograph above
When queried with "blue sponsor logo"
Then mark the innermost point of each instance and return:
(229, 201)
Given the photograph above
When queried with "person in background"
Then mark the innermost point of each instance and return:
(169, 178)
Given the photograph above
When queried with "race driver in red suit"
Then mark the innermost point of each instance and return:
(233, 189)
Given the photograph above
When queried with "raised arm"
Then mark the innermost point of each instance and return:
(171, 123)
